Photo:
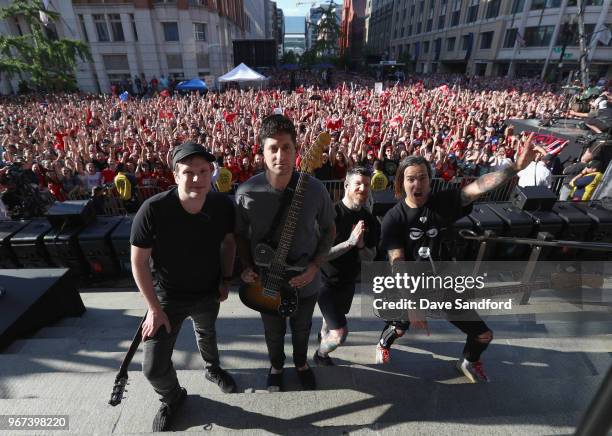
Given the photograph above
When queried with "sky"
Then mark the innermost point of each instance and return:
(291, 10)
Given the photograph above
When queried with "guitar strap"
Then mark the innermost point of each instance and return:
(285, 201)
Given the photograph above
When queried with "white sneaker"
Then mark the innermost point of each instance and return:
(473, 371)
(383, 355)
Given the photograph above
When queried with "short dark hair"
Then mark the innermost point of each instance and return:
(273, 125)
(410, 161)
(358, 171)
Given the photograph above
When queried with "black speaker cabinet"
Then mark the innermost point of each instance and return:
(120, 238)
(517, 222)
(28, 244)
(383, 201)
(7, 230)
(95, 241)
(71, 213)
(533, 198)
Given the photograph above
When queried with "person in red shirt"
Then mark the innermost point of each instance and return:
(109, 173)
(163, 177)
(246, 170)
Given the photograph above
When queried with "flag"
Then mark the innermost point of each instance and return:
(124, 96)
(604, 35)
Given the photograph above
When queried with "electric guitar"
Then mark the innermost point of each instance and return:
(271, 293)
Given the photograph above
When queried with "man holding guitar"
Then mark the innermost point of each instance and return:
(293, 213)
(411, 231)
(188, 231)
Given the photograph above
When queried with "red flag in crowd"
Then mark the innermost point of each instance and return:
(229, 116)
(332, 124)
(396, 121)
(88, 116)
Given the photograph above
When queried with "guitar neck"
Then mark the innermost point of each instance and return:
(284, 244)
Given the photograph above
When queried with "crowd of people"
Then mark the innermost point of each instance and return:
(76, 145)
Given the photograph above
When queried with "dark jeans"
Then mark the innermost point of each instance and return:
(275, 328)
(157, 362)
(473, 328)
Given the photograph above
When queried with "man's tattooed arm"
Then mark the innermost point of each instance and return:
(486, 183)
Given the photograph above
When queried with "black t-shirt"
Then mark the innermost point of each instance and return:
(324, 172)
(419, 231)
(347, 267)
(185, 246)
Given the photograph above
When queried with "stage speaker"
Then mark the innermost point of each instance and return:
(35, 298)
(62, 244)
(485, 219)
(546, 221)
(533, 198)
(7, 231)
(576, 224)
(602, 218)
(71, 213)
(28, 244)
(516, 222)
(383, 201)
(120, 238)
(95, 242)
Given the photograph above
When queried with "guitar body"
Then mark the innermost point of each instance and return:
(271, 294)
(265, 300)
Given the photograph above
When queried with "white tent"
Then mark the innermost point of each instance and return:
(242, 73)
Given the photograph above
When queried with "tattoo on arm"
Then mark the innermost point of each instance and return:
(486, 183)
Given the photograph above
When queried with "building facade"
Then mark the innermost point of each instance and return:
(532, 38)
(379, 20)
(352, 30)
(175, 38)
(295, 35)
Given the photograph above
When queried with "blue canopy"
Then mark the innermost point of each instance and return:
(192, 85)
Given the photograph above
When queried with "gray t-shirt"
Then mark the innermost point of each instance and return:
(257, 205)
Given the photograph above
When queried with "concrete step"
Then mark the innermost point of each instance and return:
(417, 355)
(368, 397)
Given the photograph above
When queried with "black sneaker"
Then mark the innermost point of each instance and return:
(163, 418)
(322, 361)
(307, 379)
(221, 378)
(274, 382)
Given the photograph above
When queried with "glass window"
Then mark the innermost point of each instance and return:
(429, 25)
(538, 36)
(510, 38)
(441, 20)
(493, 8)
(175, 61)
(455, 18)
(134, 27)
(465, 42)
(171, 32)
(116, 27)
(486, 40)
(472, 14)
(517, 6)
(83, 28)
(426, 47)
(450, 44)
(199, 31)
(101, 28)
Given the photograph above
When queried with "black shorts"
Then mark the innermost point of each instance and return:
(471, 325)
(335, 301)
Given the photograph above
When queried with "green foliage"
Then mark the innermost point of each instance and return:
(327, 30)
(48, 63)
(289, 58)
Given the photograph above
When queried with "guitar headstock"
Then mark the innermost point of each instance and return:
(118, 390)
(311, 159)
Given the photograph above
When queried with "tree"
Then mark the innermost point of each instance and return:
(289, 58)
(327, 31)
(48, 61)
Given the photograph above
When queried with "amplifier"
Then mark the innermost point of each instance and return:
(533, 198)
